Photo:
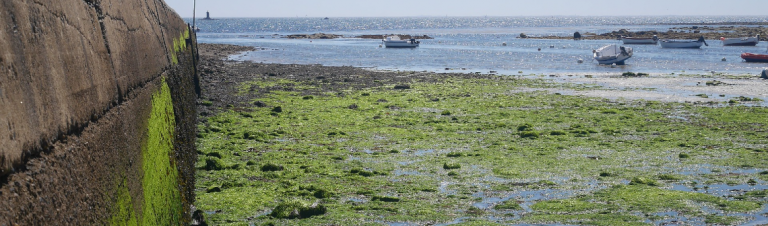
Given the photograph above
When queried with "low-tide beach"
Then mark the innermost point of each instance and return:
(290, 144)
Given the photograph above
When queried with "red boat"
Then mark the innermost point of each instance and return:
(751, 57)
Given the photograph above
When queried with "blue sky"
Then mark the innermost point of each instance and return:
(400, 8)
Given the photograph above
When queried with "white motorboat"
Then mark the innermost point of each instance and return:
(691, 44)
(631, 40)
(612, 54)
(396, 42)
(749, 41)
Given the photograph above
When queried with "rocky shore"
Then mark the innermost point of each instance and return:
(677, 31)
(220, 78)
(684, 32)
(335, 36)
(401, 36)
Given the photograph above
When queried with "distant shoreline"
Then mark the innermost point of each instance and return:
(335, 36)
(688, 32)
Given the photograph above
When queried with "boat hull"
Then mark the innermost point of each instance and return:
(741, 44)
(681, 44)
(752, 41)
(614, 61)
(751, 57)
(401, 44)
(398, 45)
(644, 41)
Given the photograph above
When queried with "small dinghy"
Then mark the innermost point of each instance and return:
(749, 41)
(646, 41)
(754, 57)
(396, 42)
(612, 54)
(690, 44)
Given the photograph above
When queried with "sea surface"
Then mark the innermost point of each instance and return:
(475, 44)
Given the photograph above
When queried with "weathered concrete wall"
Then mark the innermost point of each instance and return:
(80, 83)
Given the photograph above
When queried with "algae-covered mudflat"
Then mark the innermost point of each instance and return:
(356, 147)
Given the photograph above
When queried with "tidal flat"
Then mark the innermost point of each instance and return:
(314, 145)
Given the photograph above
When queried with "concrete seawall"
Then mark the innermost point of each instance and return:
(97, 124)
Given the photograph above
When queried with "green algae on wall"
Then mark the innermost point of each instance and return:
(179, 45)
(123, 214)
(162, 199)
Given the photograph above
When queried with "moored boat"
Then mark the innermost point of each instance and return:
(612, 54)
(396, 42)
(631, 40)
(753, 57)
(691, 44)
(748, 41)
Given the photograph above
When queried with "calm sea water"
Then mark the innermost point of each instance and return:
(474, 44)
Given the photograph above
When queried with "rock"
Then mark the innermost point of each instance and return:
(297, 209)
(403, 86)
(213, 164)
(621, 31)
(765, 74)
(313, 210)
(213, 189)
(198, 218)
(260, 104)
(314, 36)
(294, 214)
(577, 35)
(522, 35)
(271, 167)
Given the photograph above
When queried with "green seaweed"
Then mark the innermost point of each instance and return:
(179, 45)
(508, 205)
(124, 213)
(162, 199)
(432, 162)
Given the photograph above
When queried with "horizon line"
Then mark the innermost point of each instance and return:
(426, 16)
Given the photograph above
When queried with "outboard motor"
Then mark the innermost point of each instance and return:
(701, 39)
(655, 38)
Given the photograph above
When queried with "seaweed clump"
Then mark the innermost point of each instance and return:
(297, 209)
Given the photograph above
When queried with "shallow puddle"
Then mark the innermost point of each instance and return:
(704, 169)
(674, 88)
(720, 190)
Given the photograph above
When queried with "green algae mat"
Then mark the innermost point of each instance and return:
(478, 151)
